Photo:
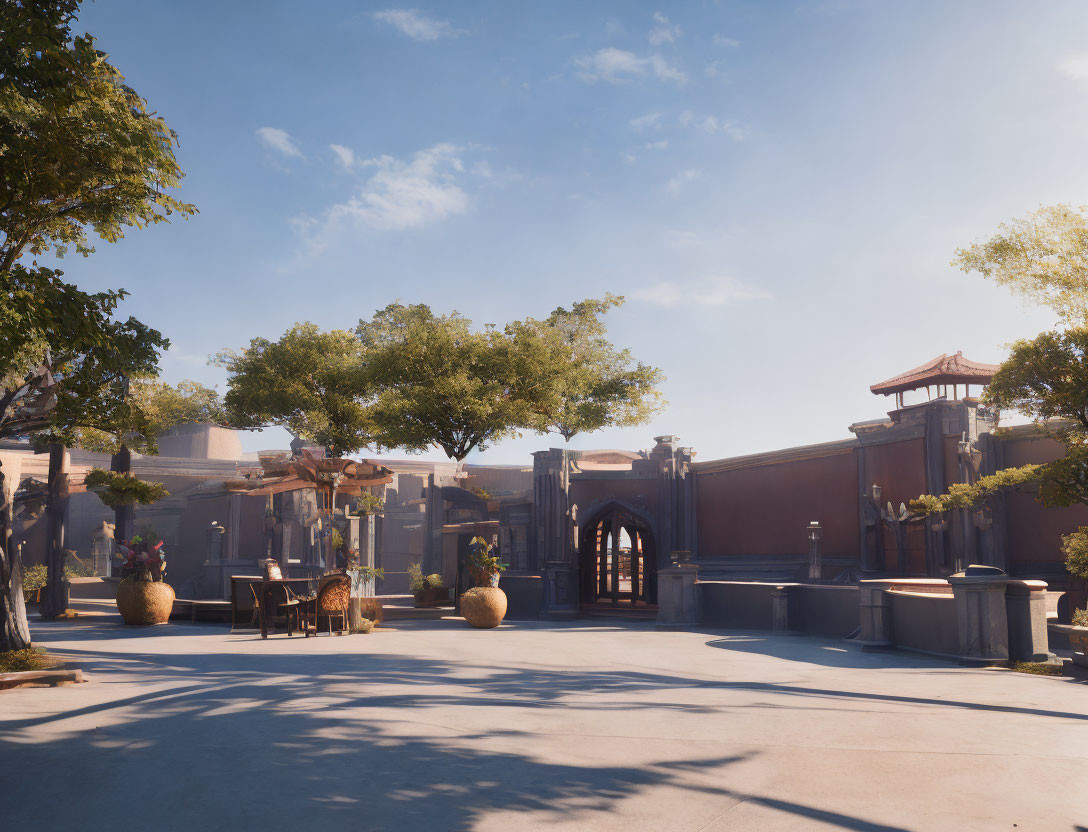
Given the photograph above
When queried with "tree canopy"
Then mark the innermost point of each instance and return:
(309, 382)
(438, 382)
(592, 385)
(66, 355)
(148, 409)
(80, 150)
(408, 378)
(1042, 256)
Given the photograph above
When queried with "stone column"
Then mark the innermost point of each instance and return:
(780, 609)
(677, 597)
(876, 616)
(675, 497)
(553, 530)
(432, 542)
(1025, 606)
(981, 617)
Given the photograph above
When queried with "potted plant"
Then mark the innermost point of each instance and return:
(143, 596)
(484, 606)
(428, 590)
(485, 566)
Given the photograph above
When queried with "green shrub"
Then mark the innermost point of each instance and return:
(434, 581)
(1075, 548)
(416, 581)
(34, 578)
(366, 625)
(1080, 618)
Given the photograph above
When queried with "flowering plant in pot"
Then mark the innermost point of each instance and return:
(485, 566)
(143, 596)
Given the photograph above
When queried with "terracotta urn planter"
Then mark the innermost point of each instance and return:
(145, 602)
(484, 606)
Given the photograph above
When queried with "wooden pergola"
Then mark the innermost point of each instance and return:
(328, 476)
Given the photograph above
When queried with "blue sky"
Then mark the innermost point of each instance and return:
(777, 188)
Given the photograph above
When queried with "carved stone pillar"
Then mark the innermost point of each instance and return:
(553, 529)
(675, 498)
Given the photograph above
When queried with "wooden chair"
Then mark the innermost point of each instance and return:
(291, 605)
(333, 601)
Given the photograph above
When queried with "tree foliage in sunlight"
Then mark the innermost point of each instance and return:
(79, 148)
(592, 384)
(309, 382)
(1042, 256)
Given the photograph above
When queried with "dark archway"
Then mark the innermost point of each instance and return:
(617, 557)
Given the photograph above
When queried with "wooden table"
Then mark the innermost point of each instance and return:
(237, 582)
(267, 585)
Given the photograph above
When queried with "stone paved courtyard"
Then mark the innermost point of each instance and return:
(586, 725)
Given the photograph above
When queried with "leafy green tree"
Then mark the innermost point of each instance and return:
(1042, 256)
(79, 152)
(80, 149)
(309, 382)
(436, 382)
(592, 385)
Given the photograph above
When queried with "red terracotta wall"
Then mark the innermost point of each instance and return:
(764, 509)
(1034, 531)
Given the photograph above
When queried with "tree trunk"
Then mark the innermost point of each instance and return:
(14, 628)
(124, 517)
(55, 598)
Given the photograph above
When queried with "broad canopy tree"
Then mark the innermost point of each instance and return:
(309, 382)
(412, 380)
(79, 152)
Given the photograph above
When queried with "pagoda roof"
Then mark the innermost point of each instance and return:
(944, 369)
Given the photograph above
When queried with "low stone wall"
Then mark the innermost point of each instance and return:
(745, 605)
(817, 609)
(924, 621)
(825, 610)
(524, 595)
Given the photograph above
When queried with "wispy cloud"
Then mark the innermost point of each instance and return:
(400, 194)
(729, 43)
(345, 155)
(677, 183)
(618, 65)
(646, 122)
(660, 145)
(714, 290)
(1075, 68)
(663, 31)
(275, 138)
(713, 124)
(416, 25)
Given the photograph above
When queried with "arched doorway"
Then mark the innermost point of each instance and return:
(617, 560)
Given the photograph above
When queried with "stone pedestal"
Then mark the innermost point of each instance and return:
(677, 600)
(1025, 607)
(876, 616)
(780, 609)
(560, 589)
(981, 617)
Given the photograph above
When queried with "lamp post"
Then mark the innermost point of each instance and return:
(815, 556)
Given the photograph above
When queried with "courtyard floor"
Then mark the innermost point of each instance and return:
(569, 726)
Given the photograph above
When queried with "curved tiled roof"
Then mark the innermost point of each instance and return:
(944, 369)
